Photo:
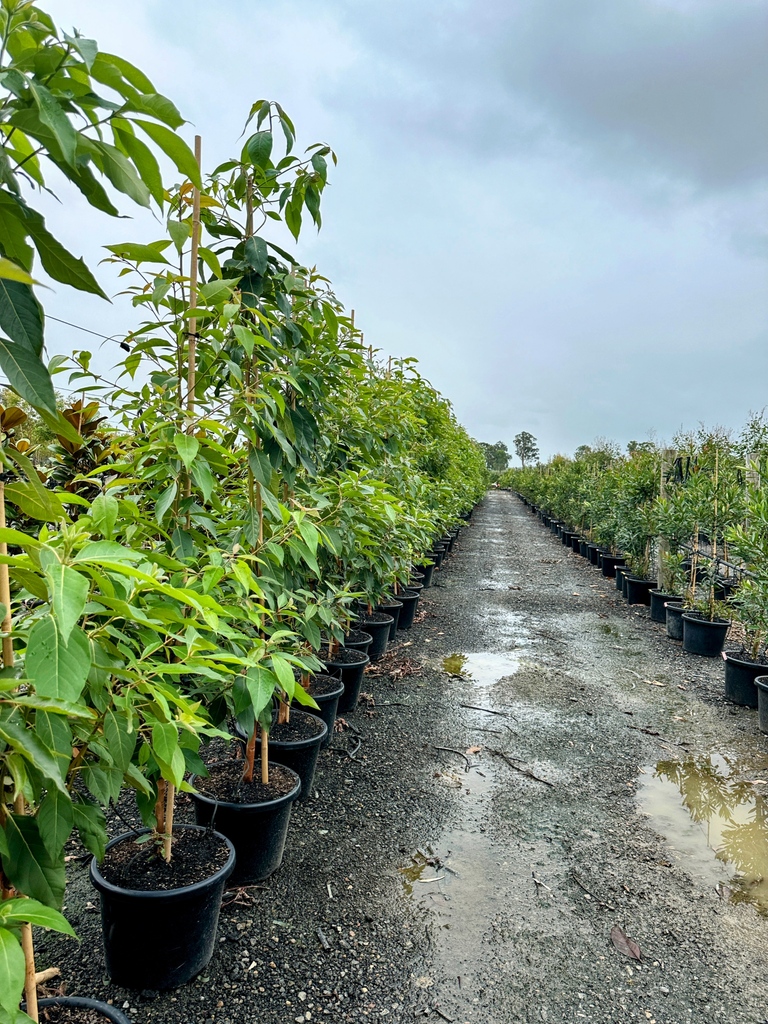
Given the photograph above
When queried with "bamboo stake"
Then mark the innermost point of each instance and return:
(265, 756)
(170, 794)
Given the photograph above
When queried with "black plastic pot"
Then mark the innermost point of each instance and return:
(700, 636)
(762, 703)
(410, 601)
(619, 574)
(391, 606)
(609, 564)
(416, 577)
(159, 939)
(592, 550)
(584, 548)
(351, 675)
(674, 611)
(740, 676)
(658, 602)
(437, 554)
(575, 543)
(256, 830)
(358, 640)
(300, 755)
(110, 1013)
(327, 702)
(639, 590)
(426, 569)
(565, 537)
(378, 626)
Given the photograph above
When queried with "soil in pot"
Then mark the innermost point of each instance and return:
(254, 816)
(358, 640)
(296, 744)
(160, 937)
(78, 1010)
(674, 610)
(740, 675)
(702, 636)
(378, 625)
(658, 602)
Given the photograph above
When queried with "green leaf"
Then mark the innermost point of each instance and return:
(12, 971)
(26, 743)
(58, 262)
(261, 467)
(110, 69)
(165, 747)
(256, 254)
(310, 535)
(137, 253)
(69, 591)
(19, 910)
(91, 826)
(203, 478)
(284, 673)
(157, 106)
(120, 172)
(20, 315)
(260, 683)
(174, 147)
(56, 669)
(26, 374)
(104, 510)
(180, 231)
(87, 48)
(187, 446)
(53, 116)
(46, 509)
(259, 148)
(320, 166)
(29, 866)
(56, 821)
(165, 501)
(144, 161)
(43, 494)
(13, 272)
(120, 737)
(100, 552)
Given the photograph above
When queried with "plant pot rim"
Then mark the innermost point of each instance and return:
(307, 741)
(734, 657)
(101, 884)
(691, 617)
(362, 660)
(385, 620)
(266, 805)
(761, 682)
(111, 1013)
(329, 694)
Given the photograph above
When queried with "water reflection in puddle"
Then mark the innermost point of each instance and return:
(483, 669)
(715, 820)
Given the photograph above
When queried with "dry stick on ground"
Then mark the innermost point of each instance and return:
(488, 711)
(452, 750)
(589, 892)
(519, 768)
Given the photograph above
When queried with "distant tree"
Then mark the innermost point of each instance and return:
(582, 452)
(526, 447)
(497, 456)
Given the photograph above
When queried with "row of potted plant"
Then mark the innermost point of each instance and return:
(187, 546)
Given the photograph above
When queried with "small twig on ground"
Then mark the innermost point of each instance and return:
(323, 941)
(519, 768)
(589, 892)
(451, 750)
(441, 1014)
(488, 711)
(392, 704)
(539, 884)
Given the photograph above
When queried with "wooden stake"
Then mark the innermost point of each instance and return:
(265, 757)
(170, 795)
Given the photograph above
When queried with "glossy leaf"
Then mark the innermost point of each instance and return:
(54, 668)
(29, 866)
(175, 148)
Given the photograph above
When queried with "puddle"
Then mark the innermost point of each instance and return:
(483, 669)
(715, 821)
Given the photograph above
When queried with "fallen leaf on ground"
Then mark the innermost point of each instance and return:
(654, 682)
(624, 944)
(474, 750)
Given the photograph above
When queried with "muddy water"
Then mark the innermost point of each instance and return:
(599, 781)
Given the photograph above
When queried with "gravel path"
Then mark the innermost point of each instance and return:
(470, 861)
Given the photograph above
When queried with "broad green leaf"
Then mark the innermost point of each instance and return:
(69, 591)
(174, 147)
(91, 826)
(55, 669)
(110, 69)
(99, 552)
(12, 971)
(58, 262)
(121, 172)
(284, 673)
(87, 48)
(120, 738)
(187, 446)
(104, 510)
(256, 254)
(165, 501)
(138, 253)
(203, 478)
(310, 535)
(26, 743)
(259, 148)
(165, 739)
(53, 116)
(29, 866)
(180, 231)
(21, 318)
(157, 106)
(261, 467)
(19, 910)
(26, 374)
(103, 783)
(56, 820)
(44, 507)
(143, 159)
(260, 683)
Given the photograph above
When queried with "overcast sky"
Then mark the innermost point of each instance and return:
(559, 206)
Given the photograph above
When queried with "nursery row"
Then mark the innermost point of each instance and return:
(208, 532)
(745, 675)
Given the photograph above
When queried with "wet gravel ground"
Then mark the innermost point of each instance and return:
(475, 835)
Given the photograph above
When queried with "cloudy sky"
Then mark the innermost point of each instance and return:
(558, 206)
